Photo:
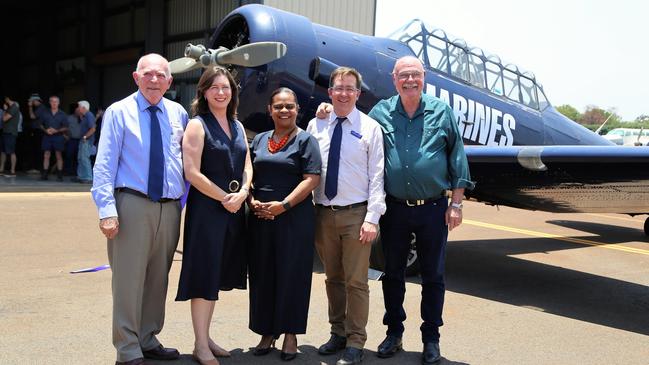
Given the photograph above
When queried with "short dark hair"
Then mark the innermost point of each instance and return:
(344, 71)
(282, 90)
(199, 104)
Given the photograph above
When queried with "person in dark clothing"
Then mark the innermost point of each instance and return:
(287, 165)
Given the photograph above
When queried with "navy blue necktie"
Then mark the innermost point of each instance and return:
(156, 157)
(333, 161)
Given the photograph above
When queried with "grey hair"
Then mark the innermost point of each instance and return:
(153, 55)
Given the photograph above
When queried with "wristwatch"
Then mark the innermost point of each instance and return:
(286, 205)
(457, 205)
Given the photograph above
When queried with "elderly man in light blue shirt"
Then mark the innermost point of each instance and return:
(137, 186)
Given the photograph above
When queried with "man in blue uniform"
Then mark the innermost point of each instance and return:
(54, 124)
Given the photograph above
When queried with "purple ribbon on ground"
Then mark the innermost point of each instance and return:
(91, 269)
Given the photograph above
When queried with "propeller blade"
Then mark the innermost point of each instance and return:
(183, 64)
(253, 54)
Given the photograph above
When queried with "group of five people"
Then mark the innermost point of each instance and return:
(326, 187)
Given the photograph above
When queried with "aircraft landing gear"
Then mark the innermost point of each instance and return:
(646, 227)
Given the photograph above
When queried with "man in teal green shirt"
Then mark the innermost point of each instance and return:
(424, 157)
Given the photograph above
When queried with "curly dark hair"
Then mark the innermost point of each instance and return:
(199, 104)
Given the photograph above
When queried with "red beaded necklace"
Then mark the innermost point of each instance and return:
(276, 146)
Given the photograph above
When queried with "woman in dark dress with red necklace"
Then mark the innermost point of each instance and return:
(286, 163)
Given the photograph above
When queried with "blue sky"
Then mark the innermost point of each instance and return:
(582, 52)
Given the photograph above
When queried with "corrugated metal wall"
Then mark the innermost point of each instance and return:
(109, 41)
(356, 16)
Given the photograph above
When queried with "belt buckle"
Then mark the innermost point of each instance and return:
(333, 207)
(233, 186)
(408, 203)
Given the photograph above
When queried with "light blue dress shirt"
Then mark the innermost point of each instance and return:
(123, 150)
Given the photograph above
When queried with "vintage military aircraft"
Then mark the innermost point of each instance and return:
(522, 152)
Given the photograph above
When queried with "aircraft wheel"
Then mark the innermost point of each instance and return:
(377, 260)
(646, 227)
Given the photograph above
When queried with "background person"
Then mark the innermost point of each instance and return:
(286, 164)
(34, 157)
(10, 120)
(72, 136)
(86, 142)
(54, 124)
(217, 163)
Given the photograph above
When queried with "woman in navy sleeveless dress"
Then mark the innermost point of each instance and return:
(217, 163)
(282, 227)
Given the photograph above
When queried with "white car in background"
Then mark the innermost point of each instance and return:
(628, 136)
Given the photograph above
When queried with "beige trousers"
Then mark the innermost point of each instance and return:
(140, 257)
(345, 261)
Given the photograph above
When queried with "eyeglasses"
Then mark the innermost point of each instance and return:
(416, 75)
(340, 90)
(279, 107)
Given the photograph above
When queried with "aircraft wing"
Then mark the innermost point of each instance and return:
(605, 179)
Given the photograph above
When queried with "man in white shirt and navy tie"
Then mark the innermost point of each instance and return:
(349, 202)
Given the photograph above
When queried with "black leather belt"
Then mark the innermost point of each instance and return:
(342, 207)
(142, 195)
(412, 202)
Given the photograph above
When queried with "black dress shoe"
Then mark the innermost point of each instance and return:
(352, 355)
(161, 353)
(389, 347)
(288, 356)
(431, 353)
(261, 351)
(335, 344)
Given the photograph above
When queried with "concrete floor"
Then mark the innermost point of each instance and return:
(516, 294)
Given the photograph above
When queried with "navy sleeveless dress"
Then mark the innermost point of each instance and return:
(214, 254)
(281, 250)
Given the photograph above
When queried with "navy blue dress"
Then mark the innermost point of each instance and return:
(281, 250)
(214, 255)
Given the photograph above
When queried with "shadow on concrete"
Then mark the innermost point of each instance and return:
(29, 183)
(607, 233)
(307, 355)
(486, 269)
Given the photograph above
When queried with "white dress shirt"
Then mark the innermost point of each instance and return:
(360, 171)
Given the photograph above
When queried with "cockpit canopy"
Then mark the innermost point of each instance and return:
(471, 64)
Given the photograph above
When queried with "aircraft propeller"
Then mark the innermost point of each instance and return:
(248, 55)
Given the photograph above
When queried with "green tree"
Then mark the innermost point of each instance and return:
(596, 116)
(569, 111)
(644, 118)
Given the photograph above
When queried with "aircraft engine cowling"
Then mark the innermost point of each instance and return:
(255, 23)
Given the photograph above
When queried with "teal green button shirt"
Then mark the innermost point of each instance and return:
(424, 156)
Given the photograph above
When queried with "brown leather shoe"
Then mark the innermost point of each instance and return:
(138, 361)
(161, 353)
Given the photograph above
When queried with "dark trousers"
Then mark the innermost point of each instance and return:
(428, 224)
(71, 153)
